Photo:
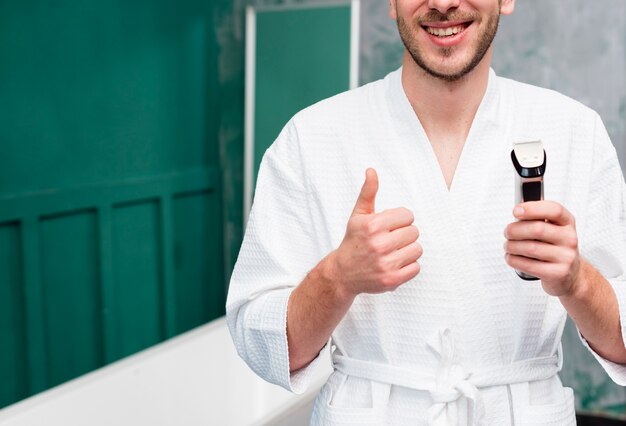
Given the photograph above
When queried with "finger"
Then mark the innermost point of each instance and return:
(407, 254)
(393, 219)
(543, 270)
(408, 272)
(365, 203)
(537, 250)
(403, 236)
(541, 231)
(544, 210)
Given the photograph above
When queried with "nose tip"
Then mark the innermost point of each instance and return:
(443, 6)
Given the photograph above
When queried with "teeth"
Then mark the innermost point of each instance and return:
(445, 32)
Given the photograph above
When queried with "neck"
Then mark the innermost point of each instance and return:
(445, 109)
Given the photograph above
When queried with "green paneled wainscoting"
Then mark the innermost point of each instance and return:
(117, 153)
(90, 274)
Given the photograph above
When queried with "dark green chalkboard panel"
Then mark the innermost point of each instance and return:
(302, 57)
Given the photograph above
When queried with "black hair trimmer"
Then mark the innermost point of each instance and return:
(529, 159)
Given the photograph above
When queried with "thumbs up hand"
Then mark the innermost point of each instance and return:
(379, 251)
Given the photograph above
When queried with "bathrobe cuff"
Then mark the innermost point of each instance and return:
(617, 372)
(266, 317)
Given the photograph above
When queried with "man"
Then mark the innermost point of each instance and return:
(429, 322)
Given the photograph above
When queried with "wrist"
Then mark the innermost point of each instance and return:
(331, 275)
(579, 289)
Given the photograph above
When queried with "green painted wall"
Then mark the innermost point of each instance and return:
(302, 57)
(111, 188)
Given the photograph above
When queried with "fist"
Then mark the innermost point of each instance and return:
(379, 251)
(544, 243)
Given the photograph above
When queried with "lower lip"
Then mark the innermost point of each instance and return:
(448, 41)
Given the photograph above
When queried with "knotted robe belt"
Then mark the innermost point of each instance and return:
(453, 381)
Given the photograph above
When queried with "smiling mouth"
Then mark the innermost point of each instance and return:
(447, 31)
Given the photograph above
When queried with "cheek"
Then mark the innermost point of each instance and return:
(407, 9)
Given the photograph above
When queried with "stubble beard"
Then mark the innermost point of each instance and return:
(484, 42)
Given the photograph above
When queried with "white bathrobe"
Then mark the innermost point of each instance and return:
(466, 341)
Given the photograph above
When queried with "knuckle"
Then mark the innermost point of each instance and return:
(418, 269)
(539, 229)
(383, 265)
(573, 241)
(389, 280)
(410, 273)
(558, 209)
(379, 246)
(558, 271)
(372, 227)
(570, 257)
(408, 213)
(416, 231)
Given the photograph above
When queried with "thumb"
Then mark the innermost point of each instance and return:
(365, 204)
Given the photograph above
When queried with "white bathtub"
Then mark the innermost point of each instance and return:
(193, 379)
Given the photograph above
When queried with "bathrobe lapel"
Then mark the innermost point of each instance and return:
(451, 215)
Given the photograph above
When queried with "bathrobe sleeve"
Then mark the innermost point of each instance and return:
(277, 252)
(603, 241)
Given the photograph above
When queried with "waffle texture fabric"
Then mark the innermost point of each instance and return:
(466, 341)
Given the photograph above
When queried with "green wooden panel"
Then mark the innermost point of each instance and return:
(34, 303)
(69, 269)
(197, 260)
(104, 83)
(137, 291)
(82, 197)
(13, 352)
(302, 56)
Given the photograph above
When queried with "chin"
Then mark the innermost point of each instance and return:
(451, 73)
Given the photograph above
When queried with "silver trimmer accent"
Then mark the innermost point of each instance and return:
(529, 160)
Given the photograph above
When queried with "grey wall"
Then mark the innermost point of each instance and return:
(578, 49)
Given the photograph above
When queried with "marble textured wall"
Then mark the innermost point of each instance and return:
(229, 18)
(575, 47)
(579, 50)
(380, 48)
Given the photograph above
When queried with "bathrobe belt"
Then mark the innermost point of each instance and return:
(452, 381)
